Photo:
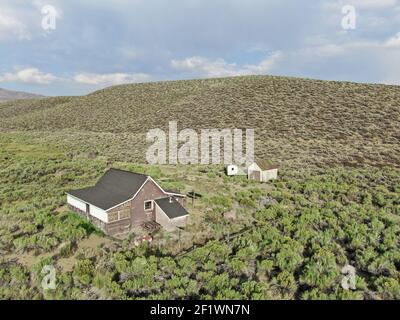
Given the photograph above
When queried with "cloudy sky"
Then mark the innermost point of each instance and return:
(98, 43)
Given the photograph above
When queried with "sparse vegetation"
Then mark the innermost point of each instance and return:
(337, 201)
(297, 122)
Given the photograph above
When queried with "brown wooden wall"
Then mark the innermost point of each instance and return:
(150, 191)
(121, 212)
(117, 227)
(134, 209)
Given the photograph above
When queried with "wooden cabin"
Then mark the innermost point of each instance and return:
(123, 199)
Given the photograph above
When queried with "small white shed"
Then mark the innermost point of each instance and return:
(231, 170)
(262, 171)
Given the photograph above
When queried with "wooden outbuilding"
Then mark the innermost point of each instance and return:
(262, 171)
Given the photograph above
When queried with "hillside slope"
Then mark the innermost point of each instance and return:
(297, 121)
(7, 95)
(285, 239)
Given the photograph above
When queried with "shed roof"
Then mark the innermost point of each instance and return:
(114, 187)
(266, 164)
(171, 207)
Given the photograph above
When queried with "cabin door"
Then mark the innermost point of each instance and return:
(255, 175)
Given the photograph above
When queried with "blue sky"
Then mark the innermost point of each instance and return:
(100, 43)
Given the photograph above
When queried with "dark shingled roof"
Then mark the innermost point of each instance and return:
(113, 188)
(172, 209)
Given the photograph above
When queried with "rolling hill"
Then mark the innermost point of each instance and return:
(298, 122)
(334, 206)
(7, 95)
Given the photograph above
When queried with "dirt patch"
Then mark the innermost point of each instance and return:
(27, 259)
(93, 242)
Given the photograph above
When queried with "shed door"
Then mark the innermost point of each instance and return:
(255, 175)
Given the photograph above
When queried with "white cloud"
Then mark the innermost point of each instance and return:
(35, 76)
(393, 42)
(360, 4)
(332, 50)
(264, 66)
(216, 68)
(372, 4)
(11, 27)
(329, 50)
(110, 78)
(29, 75)
(221, 68)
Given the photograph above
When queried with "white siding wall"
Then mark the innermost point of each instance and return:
(265, 175)
(94, 211)
(99, 213)
(163, 220)
(232, 170)
(76, 203)
(270, 175)
(180, 221)
(167, 223)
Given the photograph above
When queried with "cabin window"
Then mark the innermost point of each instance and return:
(148, 205)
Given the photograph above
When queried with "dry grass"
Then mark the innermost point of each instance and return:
(297, 122)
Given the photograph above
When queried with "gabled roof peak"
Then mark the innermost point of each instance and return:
(113, 188)
(126, 171)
